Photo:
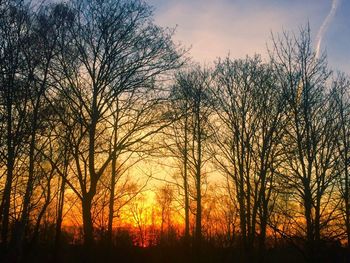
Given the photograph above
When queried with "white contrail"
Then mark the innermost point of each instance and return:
(324, 26)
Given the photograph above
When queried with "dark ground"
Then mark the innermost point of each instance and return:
(77, 254)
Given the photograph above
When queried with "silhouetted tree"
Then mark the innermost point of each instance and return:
(39, 51)
(341, 103)
(310, 141)
(111, 52)
(14, 77)
(165, 198)
(194, 87)
(249, 108)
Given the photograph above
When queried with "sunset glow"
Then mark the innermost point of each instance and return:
(163, 131)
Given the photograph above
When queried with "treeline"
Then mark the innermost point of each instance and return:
(90, 89)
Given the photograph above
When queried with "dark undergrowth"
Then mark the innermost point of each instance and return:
(175, 254)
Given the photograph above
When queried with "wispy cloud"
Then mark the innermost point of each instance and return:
(325, 25)
(241, 27)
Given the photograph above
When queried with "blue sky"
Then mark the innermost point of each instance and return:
(213, 28)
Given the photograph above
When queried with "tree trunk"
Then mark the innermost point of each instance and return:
(113, 179)
(58, 229)
(29, 187)
(242, 209)
(40, 216)
(199, 217)
(6, 200)
(111, 201)
(5, 209)
(309, 224)
(88, 196)
(198, 177)
(187, 203)
(264, 214)
(87, 222)
(347, 196)
(187, 215)
(347, 214)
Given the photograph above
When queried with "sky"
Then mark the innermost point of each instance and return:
(215, 28)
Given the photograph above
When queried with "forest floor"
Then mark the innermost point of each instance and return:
(77, 254)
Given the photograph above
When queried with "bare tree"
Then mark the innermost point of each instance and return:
(341, 102)
(111, 52)
(249, 109)
(39, 51)
(309, 144)
(140, 216)
(176, 141)
(14, 97)
(193, 87)
(165, 198)
(136, 120)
